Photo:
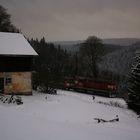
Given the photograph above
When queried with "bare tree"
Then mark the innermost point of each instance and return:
(91, 51)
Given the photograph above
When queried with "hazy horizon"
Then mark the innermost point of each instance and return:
(66, 20)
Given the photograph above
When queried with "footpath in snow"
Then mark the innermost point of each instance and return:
(67, 116)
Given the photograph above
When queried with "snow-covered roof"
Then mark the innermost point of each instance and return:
(15, 44)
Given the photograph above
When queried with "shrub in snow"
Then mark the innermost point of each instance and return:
(112, 103)
(100, 120)
(11, 99)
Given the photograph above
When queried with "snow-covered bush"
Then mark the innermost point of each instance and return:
(112, 103)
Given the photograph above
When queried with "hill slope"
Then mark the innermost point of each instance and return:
(74, 45)
(67, 116)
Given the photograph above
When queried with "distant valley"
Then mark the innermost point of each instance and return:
(120, 53)
(114, 42)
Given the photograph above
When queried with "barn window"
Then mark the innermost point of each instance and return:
(8, 80)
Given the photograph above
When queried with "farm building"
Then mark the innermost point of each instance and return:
(16, 57)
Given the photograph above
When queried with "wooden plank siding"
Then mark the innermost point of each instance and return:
(15, 63)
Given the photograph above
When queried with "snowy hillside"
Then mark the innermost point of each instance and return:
(67, 116)
(121, 41)
(119, 61)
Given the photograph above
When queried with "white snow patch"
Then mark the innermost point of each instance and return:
(66, 116)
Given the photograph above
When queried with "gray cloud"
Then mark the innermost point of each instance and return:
(75, 19)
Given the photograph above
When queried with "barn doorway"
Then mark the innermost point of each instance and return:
(1, 85)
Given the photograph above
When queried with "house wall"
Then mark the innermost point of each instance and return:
(15, 63)
(20, 82)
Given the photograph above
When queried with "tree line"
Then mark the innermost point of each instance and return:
(54, 64)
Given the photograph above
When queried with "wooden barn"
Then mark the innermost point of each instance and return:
(16, 56)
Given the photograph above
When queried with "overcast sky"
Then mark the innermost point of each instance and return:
(75, 19)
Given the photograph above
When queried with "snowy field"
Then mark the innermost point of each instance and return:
(67, 116)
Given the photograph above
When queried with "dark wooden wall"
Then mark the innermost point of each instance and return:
(15, 63)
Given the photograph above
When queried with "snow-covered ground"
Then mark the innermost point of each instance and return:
(67, 116)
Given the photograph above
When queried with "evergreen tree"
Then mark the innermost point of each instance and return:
(5, 21)
(134, 82)
(52, 64)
